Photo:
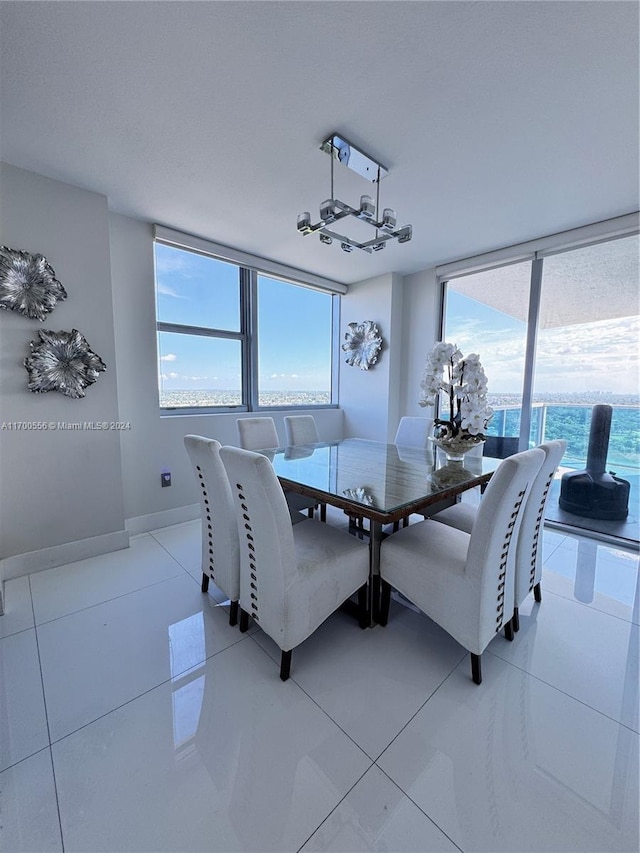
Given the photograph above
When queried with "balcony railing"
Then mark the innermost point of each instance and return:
(572, 422)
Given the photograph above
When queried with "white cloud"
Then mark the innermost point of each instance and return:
(165, 290)
(583, 357)
(169, 357)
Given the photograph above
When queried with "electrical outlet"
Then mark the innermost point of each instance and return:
(165, 478)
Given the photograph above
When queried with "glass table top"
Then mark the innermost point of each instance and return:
(377, 476)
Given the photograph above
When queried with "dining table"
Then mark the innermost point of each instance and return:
(379, 482)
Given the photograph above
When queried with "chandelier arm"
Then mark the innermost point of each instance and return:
(347, 240)
(331, 194)
(346, 211)
(377, 199)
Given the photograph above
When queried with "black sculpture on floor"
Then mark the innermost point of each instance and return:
(593, 493)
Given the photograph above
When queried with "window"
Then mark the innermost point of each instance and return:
(294, 344)
(556, 336)
(232, 338)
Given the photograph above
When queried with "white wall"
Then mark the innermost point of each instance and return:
(370, 398)
(154, 443)
(58, 486)
(407, 312)
(420, 331)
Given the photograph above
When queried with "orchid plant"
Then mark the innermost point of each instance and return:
(463, 383)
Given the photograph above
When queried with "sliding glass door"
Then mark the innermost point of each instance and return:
(558, 335)
(587, 349)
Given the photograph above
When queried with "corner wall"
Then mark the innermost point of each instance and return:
(370, 398)
(420, 331)
(58, 486)
(407, 312)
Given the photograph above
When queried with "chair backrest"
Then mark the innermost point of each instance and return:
(528, 552)
(267, 552)
(500, 446)
(492, 545)
(257, 433)
(414, 432)
(220, 542)
(300, 429)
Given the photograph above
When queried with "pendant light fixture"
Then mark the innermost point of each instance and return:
(333, 210)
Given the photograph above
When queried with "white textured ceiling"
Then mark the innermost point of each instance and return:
(499, 121)
(573, 285)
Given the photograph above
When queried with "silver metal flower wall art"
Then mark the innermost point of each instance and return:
(362, 344)
(62, 361)
(28, 284)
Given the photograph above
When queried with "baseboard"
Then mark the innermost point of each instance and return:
(156, 520)
(70, 552)
(58, 555)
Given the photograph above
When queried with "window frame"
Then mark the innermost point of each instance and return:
(247, 335)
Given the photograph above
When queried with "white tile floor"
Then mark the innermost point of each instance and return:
(133, 718)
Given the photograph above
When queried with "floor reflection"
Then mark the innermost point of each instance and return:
(187, 649)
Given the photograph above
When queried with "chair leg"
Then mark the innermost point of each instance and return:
(244, 621)
(362, 606)
(285, 665)
(405, 521)
(385, 602)
(516, 620)
(396, 526)
(205, 582)
(310, 512)
(323, 512)
(233, 613)
(508, 630)
(537, 593)
(476, 668)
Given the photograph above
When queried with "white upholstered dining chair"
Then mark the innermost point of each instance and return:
(292, 577)
(465, 582)
(300, 429)
(220, 543)
(529, 550)
(257, 433)
(261, 434)
(414, 432)
(528, 561)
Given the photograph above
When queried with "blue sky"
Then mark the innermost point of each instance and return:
(294, 324)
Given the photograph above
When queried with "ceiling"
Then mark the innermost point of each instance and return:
(573, 284)
(499, 122)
